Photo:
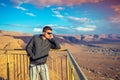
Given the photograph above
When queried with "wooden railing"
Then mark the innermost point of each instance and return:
(14, 65)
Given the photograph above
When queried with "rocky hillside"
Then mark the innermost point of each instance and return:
(85, 39)
(19, 40)
(10, 40)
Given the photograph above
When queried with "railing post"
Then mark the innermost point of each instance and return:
(8, 71)
(72, 71)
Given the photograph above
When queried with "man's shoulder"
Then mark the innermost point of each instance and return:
(37, 36)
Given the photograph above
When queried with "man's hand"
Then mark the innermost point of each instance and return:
(51, 36)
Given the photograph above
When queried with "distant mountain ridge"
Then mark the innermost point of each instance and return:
(94, 38)
(75, 39)
(11, 33)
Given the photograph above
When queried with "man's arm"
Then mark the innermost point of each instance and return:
(29, 48)
(54, 44)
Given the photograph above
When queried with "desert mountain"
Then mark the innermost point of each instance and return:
(9, 33)
(19, 40)
(10, 40)
(84, 39)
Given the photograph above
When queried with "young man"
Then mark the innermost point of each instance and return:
(38, 49)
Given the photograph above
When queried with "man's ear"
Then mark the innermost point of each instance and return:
(43, 33)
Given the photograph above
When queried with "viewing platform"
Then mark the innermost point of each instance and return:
(14, 65)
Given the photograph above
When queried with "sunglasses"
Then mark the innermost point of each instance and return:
(49, 33)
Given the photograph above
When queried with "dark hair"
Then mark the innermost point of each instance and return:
(47, 28)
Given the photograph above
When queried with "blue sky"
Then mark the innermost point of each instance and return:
(64, 16)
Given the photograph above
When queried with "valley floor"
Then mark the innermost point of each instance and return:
(97, 65)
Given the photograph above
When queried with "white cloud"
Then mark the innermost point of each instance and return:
(19, 2)
(21, 8)
(78, 20)
(60, 8)
(59, 16)
(57, 13)
(86, 29)
(37, 30)
(3, 4)
(55, 26)
(62, 27)
(30, 14)
(116, 17)
(86, 24)
(25, 10)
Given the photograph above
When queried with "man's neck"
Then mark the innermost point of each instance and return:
(43, 37)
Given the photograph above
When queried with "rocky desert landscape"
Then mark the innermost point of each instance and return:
(97, 55)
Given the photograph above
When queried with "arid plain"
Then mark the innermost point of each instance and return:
(97, 55)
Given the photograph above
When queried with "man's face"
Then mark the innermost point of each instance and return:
(48, 34)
